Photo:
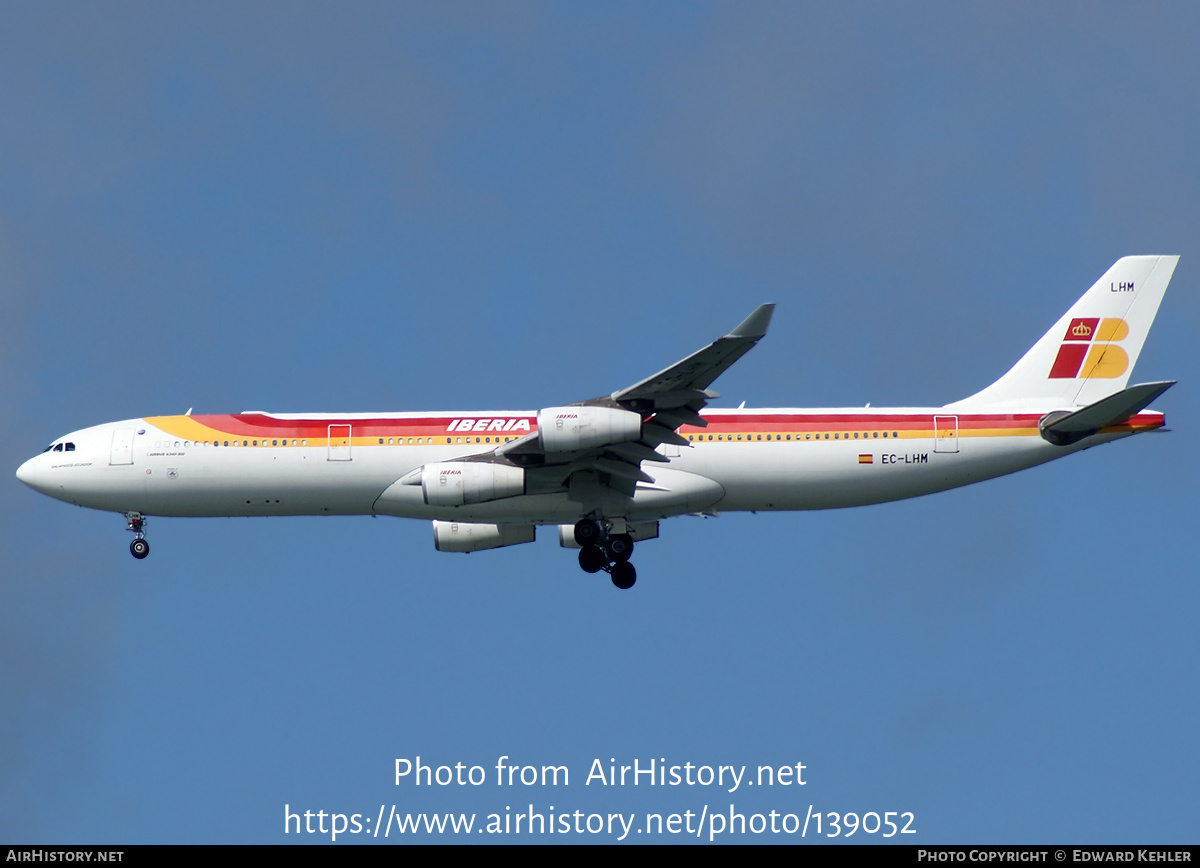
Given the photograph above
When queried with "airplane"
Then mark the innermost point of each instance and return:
(607, 470)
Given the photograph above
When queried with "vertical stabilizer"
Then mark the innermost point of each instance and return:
(1089, 353)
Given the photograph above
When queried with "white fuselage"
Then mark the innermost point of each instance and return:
(787, 459)
(606, 470)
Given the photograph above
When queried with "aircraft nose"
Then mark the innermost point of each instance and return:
(28, 473)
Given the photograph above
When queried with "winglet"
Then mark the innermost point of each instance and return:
(755, 325)
(683, 383)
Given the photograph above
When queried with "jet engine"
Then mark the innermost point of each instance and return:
(453, 483)
(573, 429)
(461, 536)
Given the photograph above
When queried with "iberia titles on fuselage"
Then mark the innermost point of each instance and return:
(607, 470)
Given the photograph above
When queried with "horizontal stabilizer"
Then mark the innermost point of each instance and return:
(1062, 428)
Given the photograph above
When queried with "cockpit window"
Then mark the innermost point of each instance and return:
(48, 448)
(70, 447)
(58, 447)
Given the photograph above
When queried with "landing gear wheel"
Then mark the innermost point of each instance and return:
(623, 575)
(587, 532)
(592, 559)
(620, 547)
(136, 522)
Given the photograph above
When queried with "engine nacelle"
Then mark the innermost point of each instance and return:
(453, 483)
(572, 429)
(460, 536)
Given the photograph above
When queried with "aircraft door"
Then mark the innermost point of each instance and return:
(339, 443)
(945, 433)
(122, 447)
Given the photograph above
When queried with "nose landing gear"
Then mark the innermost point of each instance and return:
(603, 551)
(139, 548)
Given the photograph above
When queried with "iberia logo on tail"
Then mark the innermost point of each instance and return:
(1090, 349)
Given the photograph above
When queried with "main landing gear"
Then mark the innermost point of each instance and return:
(600, 550)
(139, 548)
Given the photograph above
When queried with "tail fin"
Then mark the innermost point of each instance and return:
(1090, 352)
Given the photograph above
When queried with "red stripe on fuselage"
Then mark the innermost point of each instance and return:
(255, 425)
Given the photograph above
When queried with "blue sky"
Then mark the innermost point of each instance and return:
(509, 206)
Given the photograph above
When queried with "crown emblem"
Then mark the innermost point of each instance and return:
(1081, 330)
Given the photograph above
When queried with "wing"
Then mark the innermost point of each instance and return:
(663, 402)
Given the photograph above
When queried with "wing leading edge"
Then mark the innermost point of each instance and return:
(672, 397)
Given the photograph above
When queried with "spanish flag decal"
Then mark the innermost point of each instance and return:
(866, 459)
